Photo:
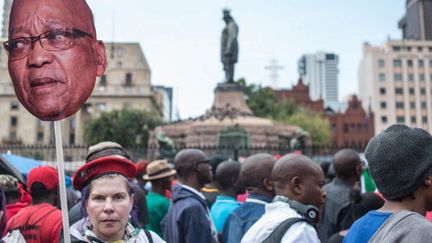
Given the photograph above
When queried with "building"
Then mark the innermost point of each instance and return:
(351, 127)
(395, 81)
(417, 22)
(320, 72)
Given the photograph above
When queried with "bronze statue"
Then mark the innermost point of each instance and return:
(229, 46)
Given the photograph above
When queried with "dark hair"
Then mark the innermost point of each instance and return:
(38, 190)
(86, 193)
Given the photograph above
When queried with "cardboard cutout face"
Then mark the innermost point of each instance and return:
(54, 56)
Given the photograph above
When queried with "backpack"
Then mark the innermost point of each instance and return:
(277, 234)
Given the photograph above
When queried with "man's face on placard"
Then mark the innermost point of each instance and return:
(53, 79)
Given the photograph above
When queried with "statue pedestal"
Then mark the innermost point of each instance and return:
(229, 97)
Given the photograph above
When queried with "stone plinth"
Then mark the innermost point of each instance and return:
(229, 109)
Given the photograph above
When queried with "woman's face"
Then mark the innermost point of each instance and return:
(108, 207)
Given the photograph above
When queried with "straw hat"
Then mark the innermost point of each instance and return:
(158, 169)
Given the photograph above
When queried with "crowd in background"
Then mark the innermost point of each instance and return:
(264, 198)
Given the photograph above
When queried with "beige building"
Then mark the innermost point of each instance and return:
(395, 80)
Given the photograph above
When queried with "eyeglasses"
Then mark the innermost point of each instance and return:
(53, 40)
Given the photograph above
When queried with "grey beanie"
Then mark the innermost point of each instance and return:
(400, 159)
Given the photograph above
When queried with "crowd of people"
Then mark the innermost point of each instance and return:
(261, 199)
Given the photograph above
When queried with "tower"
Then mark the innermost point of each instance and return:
(417, 22)
(5, 24)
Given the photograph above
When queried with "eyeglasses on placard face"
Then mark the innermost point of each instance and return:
(53, 40)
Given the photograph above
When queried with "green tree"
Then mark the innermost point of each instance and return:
(127, 127)
(314, 123)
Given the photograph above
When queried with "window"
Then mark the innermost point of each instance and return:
(384, 119)
(412, 105)
(381, 63)
(14, 121)
(72, 138)
(382, 77)
(128, 82)
(400, 119)
(383, 105)
(382, 91)
(421, 63)
(430, 63)
(396, 48)
(419, 49)
(410, 77)
(345, 127)
(398, 76)
(399, 105)
(413, 119)
(422, 91)
(408, 48)
(424, 119)
(411, 91)
(423, 105)
(430, 49)
(397, 63)
(39, 136)
(14, 105)
(103, 81)
(409, 63)
(398, 91)
(422, 77)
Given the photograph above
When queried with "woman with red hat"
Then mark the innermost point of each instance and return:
(107, 198)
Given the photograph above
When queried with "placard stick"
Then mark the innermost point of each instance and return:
(62, 183)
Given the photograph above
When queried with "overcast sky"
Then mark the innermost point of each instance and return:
(180, 39)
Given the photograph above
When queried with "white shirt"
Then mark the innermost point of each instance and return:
(275, 214)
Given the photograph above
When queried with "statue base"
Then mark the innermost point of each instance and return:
(229, 100)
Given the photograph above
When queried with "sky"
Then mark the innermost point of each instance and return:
(181, 39)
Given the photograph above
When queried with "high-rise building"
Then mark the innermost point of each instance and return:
(320, 71)
(395, 81)
(417, 22)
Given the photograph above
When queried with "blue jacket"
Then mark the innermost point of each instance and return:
(243, 217)
(187, 220)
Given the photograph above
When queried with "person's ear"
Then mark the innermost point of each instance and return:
(268, 184)
(296, 185)
(428, 181)
(132, 196)
(100, 58)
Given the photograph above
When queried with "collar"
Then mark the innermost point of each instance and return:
(260, 199)
(193, 190)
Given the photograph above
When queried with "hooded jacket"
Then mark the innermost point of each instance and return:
(187, 220)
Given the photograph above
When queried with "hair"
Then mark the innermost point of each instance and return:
(86, 193)
(346, 162)
(39, 191)
(216, 160)
(227, 174)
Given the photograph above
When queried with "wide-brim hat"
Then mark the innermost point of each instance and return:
(101, 166)
(158, 169)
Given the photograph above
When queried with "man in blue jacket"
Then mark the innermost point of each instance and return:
(188, 219)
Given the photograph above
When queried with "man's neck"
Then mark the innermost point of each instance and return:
(406, 204)
(157, 188)
(229, 192)
(191, 182)
(259, 191)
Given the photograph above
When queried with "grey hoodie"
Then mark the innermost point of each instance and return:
(404, 226)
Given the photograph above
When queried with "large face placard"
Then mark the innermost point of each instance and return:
(54, 56)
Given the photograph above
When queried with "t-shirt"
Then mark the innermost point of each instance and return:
(157, 206)
(41, 223)
(221, 209)
(365, 227)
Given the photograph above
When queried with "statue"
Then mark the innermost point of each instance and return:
(229, 46)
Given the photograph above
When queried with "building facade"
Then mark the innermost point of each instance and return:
(351, 127)
(417, 22)
(395, 81)
(320, 72)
